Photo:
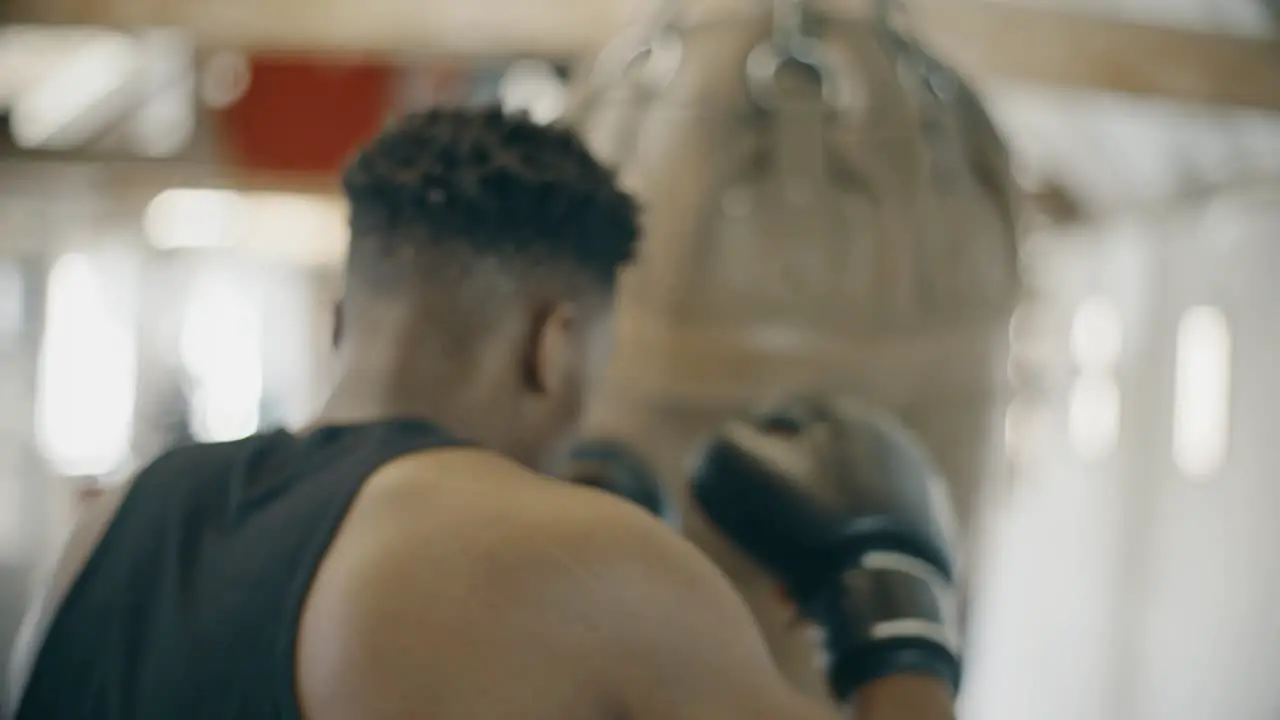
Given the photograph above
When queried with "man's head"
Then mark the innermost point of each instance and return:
(484, 251)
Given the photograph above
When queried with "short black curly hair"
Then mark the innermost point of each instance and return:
(481, 183)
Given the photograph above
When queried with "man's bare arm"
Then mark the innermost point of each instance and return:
(694, 651)
(905, 697)
(575, 606)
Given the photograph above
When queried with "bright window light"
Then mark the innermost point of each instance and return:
(1096, 335)
(1202, 391)
(224, 411)
(220, 347)
(87, 375)
(1093, 416)
(1025, 426)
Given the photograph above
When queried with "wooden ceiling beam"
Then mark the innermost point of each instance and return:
(1002, 41)
(988, 41)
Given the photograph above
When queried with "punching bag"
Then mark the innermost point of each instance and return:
(826, 206)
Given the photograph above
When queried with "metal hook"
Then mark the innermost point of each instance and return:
(892, 18)
(661, 53)
(657, 44)
(665, 52)
(942, 82)
(793, 41)
(789, 21)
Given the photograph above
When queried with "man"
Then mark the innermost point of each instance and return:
(376, 568)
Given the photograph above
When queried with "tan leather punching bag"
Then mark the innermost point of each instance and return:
(826, 206)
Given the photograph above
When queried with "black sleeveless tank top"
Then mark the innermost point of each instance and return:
(189, 606)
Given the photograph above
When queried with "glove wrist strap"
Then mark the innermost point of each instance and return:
(891, 613)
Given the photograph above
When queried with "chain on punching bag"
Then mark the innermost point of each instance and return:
(826, 206)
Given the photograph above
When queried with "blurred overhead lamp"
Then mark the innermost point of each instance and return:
(533, 87)
(193, 218)
(29, 53)
(295, 228)
(225, 79)
(165, 121)
(74, 98)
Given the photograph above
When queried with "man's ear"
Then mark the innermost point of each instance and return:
(550, 363)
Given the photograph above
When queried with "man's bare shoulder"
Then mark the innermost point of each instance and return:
(476, 588)
(488, 522)
(480, 500)
(468, 560)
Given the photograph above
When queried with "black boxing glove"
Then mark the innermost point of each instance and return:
(843, 506)
(614, 467)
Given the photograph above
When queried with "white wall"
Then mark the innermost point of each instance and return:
(1118, 588)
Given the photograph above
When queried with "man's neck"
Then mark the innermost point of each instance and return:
(364, 399)
(458, 408)
(345, 407)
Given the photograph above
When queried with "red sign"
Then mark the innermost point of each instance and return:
(306, 115)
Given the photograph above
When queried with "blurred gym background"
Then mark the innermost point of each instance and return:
(171, 228)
